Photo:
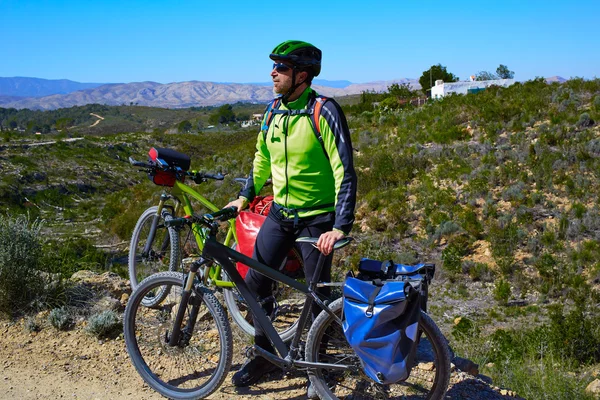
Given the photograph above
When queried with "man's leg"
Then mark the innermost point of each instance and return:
(272, 245)
(310, 256)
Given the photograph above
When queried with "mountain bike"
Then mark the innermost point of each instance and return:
(156, 247)
(183, 348)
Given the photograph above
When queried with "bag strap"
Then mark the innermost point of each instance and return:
(378, 285)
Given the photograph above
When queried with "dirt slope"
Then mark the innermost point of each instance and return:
(58, 365)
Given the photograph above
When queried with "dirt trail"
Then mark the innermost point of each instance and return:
(98, 120)
(54, 365)
(57, 365)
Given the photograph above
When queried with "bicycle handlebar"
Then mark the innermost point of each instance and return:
(197, 177)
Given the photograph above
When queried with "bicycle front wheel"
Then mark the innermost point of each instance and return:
(326, 343)
(198, 364)
(149, 255)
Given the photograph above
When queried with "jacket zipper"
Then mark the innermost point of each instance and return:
(285, 135)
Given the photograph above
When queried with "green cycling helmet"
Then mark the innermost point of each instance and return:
(301, 54)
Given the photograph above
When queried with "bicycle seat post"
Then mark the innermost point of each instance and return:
(312, 285)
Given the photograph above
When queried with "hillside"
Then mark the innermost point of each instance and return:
(500, 189)
(171, 95)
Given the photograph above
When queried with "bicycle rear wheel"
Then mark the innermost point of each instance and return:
(162, 253)
(288, 307)
(326, 343)
(195, 367)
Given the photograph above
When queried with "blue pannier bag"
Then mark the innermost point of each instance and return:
(381, 320)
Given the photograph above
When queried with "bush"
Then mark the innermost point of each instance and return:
(21, 283)
(60, 319)
(596, 103)
(585, 121)
(104, 324)
(32, 325)
(464, 328)
(502, 291)
(452, 255)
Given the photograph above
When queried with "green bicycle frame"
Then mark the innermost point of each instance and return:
(182, 193)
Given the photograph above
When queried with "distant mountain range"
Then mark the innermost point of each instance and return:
(46, 94)
(36, 87)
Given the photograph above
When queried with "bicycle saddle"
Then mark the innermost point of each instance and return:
(338, 245)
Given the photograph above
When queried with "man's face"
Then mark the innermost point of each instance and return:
(282, 80)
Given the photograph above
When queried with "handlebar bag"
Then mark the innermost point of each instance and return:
(171, 157)
(247, 225)
(380, 322)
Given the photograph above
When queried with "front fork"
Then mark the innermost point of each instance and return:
(163, 198)
(181, 337)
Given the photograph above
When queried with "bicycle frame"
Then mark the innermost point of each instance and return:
(224, 255)
(181, 193)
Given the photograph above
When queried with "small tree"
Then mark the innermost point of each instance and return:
(427, 80)
(184, 126)
(504, 73)
(401, 92)
(485, 76)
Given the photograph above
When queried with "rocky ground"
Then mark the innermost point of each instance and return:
(53, 364)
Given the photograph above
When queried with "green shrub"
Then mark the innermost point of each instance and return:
(596, 103)
(465, 328)
(477, 271)
(60, 318)
(72, 254)
(502, 291)
(104, 324)
(585, 120)
(452, 255)
(21, 283)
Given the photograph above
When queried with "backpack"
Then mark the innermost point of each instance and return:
(247, 225)
(313, 112)
(380, 322)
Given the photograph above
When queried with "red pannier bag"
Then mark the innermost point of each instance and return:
(247, 225)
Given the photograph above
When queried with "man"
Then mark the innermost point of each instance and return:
(314, 182)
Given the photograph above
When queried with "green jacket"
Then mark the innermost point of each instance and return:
(307, 177)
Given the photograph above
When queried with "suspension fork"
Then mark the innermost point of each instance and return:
(163, 198)
(176, 337)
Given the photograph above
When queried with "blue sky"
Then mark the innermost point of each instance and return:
(229, 41)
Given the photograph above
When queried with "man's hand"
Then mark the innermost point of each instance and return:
(327, 240)
(240, 203)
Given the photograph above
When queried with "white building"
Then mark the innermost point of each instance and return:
(441, 88)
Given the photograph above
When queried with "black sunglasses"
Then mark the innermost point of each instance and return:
(281, 67)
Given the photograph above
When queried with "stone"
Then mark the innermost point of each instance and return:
(466, 365)
(124, 299)
(107, 283)
(108, 303)
(594, 387)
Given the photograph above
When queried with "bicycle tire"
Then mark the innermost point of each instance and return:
(163, 255)
(286, 320)
(428, 379)
(187, 371)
